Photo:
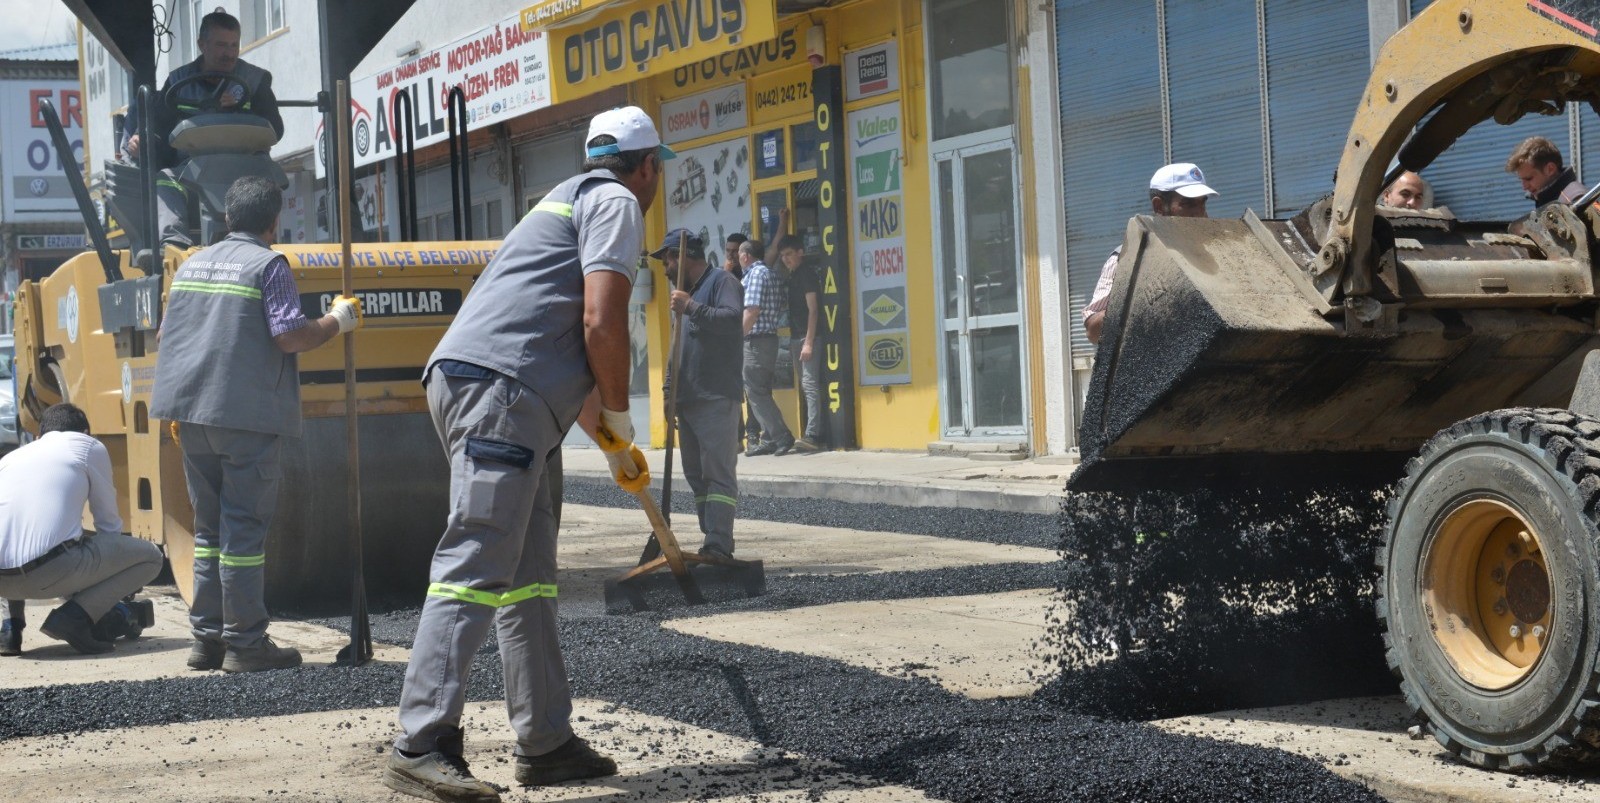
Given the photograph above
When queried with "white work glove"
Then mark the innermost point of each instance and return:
(615, 438)
(347, 311)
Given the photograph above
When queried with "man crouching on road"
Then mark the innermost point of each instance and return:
(542, 336)
(228, 375)
(44, 551)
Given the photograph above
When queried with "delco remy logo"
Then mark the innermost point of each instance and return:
(872, 72)
(403, 303)
(886, 354)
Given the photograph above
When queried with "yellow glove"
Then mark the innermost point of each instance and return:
(627, 463)
(347, 311)
(173, 426)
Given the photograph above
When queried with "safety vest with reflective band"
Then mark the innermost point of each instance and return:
(524, 316)
(218, 363)
(491, 598)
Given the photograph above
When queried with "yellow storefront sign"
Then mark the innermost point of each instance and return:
(550, 13)
(886, 354)
(781, 94)
(623, 42)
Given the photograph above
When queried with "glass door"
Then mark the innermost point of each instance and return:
(980, 286)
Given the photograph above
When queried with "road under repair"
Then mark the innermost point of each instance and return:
(881, 665)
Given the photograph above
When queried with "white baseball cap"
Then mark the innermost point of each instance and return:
(631, 127)
(1182, 178)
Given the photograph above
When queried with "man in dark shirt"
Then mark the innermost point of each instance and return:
(803, 290)
(710, 386)
(1537, 163)
(248, 92)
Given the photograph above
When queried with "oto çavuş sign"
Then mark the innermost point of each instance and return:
(637, 39)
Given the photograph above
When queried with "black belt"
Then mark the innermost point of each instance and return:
(55, 551)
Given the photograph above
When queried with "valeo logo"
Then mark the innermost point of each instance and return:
(875, 127)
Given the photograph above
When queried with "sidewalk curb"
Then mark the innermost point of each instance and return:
(963, 495)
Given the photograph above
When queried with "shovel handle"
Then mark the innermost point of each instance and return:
(664, 536)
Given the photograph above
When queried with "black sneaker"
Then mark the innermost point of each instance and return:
(11, 637)
(767, 447)
(206, 654)
(72, 624)
(805, 446)
(574, 760)
(436, 776)
(260, 658)
(782, 449)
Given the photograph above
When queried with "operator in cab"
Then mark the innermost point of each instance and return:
(218, 82)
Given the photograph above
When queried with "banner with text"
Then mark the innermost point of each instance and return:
(624, 42)
(36, 187)
(503, 70)
(879, 243)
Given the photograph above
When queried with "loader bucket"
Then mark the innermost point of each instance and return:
(1217, 366)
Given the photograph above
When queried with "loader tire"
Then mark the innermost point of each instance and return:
(1489, 590)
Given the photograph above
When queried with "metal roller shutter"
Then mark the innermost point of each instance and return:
(1317, 55)
(1111, 131)
(1214, 82)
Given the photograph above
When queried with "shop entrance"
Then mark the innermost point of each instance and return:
(979, 271)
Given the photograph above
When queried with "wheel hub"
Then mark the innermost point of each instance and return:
(1486, 593)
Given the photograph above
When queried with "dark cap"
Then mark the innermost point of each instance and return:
(690, 240)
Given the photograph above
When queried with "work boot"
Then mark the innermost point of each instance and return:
(574, 760)
(126, 619)
(781, 449)
(11, 637)
(72, 624)
(260, 658)
(767, 447)
(206, 654)
(440, 775)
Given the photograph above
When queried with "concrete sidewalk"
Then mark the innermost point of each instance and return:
(909, 479)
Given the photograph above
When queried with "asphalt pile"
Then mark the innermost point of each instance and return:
(1182, 601)
(903, 730)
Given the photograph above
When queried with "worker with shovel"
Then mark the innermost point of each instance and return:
(546, 324)
(709, 390)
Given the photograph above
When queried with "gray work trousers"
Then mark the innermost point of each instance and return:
(233, 484)
(709, 432)
(495, 564)
(810, 391)
(94, 572)
(760, 362)
(172, 210)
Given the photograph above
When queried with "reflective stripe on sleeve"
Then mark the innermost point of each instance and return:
(554, 208)
(489, 598)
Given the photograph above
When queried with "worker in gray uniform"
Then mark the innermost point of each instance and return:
(541, 341)
(228, 376)
(711, 386)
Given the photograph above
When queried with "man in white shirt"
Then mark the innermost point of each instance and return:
(45, 552)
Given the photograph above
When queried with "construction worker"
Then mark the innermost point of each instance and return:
(248, 92)
(542, 338)
(228, 377)
(709, 390)
(1537, 163)
(1176, 190)
(45, 552)
(1409, 191)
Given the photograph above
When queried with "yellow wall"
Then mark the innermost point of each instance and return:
(889, 417)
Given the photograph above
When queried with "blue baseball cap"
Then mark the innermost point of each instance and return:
(690, 240)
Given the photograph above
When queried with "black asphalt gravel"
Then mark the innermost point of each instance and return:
(900, 730)
(1170, 597)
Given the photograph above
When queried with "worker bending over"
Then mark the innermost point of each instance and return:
(543, 335)
(708, 392)
(45, 552)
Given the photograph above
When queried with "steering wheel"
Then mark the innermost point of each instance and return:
(213, 101)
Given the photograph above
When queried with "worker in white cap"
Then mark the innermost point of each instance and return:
(542, 337)
(1177, 190)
